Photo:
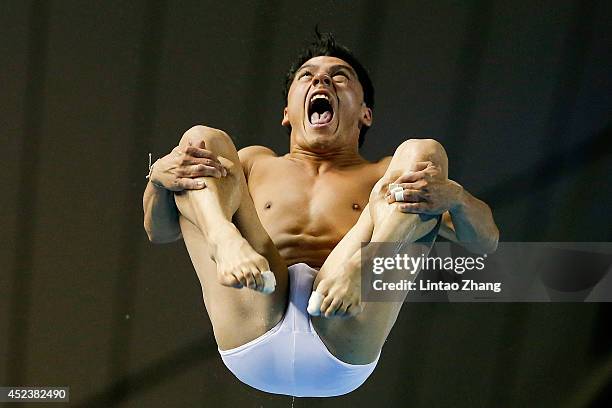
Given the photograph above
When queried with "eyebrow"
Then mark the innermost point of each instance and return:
(337, 66)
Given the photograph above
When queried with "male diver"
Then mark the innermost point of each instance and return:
(303, 216)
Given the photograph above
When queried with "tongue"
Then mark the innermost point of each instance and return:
(321, 119)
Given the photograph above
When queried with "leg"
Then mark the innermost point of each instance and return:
(229, 255)
(358, 338)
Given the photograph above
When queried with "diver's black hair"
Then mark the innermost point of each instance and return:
(325, 44)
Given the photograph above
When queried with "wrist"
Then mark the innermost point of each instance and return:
(460, 200)
(158, 186)
(153, 177)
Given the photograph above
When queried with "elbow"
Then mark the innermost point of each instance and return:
(164, 240)
(156, 238)
(487, 244)
(492, 242)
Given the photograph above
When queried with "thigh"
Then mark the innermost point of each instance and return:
(355, 340)
(237, 315)
(359, 339)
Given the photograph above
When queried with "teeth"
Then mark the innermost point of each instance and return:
(319, 96)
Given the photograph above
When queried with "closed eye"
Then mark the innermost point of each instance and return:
(304, 74)
(341, 75)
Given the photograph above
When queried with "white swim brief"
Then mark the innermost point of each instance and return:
(290, 358)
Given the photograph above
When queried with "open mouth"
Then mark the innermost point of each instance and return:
(320, 111)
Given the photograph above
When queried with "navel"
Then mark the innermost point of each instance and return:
(268, 205)
(356, 207)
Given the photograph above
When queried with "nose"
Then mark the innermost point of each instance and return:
(321, 78)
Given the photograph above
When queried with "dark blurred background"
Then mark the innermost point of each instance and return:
(519, 93)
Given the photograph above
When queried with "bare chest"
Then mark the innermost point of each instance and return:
(294, 200)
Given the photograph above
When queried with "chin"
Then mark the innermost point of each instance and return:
(321, 142)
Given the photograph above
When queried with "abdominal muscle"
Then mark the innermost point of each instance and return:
(301, 234)
(303, 248)
(306, 213)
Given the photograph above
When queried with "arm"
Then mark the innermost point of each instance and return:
(470, 222)
(466, 219)
(160, 215)
(182, 169)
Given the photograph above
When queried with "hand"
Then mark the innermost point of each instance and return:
(426, 191)
(184, 169)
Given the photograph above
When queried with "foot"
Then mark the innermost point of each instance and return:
(338, 294)
(239, 265)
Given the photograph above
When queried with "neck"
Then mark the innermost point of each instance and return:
(334, 157)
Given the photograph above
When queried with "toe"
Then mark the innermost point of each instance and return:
(314, 303)
(230, 280)
(333, 307)
(250, 280)
(354, 310)
(259, 284)
(341, 312)
(240, 278)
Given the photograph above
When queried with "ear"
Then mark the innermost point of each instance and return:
(366, 115)
(285, 121)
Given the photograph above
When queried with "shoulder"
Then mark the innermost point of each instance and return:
(251, 154)
(383, 164)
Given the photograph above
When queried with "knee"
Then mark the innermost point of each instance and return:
(380, 188)
(425, 147)
(214, 139)
(424, 150)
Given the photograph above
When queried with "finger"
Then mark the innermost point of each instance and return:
(416, 208)
(411, 176)
(331, 310)
(194, 170)
(404, 186)
(190, 184)
(176, 151)
(202, 170)
(199, 156)
(421, 165)
(398, 195)
(414, 186)
(410, 196)
(195, 151)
